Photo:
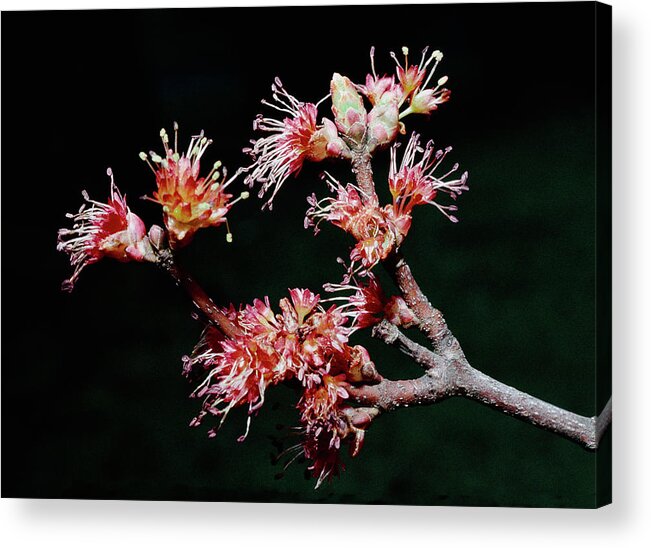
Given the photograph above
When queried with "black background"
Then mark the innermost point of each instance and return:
(93, 402)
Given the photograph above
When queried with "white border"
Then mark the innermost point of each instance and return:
(626, 523)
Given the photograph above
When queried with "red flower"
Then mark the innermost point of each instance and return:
(414, 80)
(328, 423)
(189, 201)
(324, 426)
(239, 371)
(290, 142)
(367, 304)
(303, 301)
(103, 230)
(376, 229)
(414, 182)
(427, 100)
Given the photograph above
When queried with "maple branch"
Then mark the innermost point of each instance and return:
(361, 166)
(431, 320)
(448, 372)
(478, 386)
(166, 261)
(445, 378)
(391, 335)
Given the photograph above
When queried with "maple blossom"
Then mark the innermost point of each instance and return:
(304, 341)
(290, 141)
(366, 303)
(189, 201)
(376, 229)
(102, 230)
(324, 426)
(414, 80)
(415, 181)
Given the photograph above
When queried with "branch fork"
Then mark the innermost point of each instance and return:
(447, 371)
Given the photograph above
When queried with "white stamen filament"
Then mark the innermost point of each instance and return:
(373, 62)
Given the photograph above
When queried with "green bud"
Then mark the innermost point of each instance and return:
(348, 108)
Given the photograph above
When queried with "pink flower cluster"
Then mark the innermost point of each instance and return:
(367, 304)
(296, 137)
(356, 130)
(103, 230)
(415, 181)
(414, 81)
(324, 425)
(189, 201)
(380, 230)
(290, 141)
(305, 342)
(377, 230)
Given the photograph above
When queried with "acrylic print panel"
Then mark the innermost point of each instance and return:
(95, 401)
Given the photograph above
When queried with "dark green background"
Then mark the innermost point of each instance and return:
(93, 401)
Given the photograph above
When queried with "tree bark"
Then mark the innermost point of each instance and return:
(361, 165)
(444, 378)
